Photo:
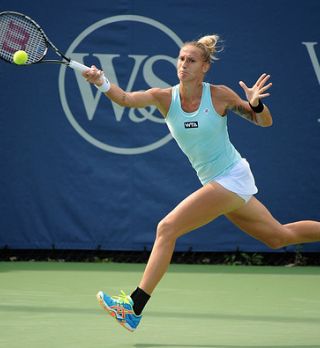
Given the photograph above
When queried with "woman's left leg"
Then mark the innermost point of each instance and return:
(256, 220)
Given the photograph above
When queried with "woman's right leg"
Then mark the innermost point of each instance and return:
(198, 209)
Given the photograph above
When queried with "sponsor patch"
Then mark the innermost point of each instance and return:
(193, 124)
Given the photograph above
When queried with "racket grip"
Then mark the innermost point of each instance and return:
(77, 66)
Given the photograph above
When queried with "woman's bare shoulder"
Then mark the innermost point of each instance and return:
(163, 97)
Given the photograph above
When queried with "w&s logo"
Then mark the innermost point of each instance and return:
(136, 53)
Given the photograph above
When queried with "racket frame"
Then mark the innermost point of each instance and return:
(65, 60)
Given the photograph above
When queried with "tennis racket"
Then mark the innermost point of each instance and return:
(20, 32)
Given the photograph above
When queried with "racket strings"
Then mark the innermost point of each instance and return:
(20, 33)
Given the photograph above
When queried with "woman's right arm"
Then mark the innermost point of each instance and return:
(139, 99)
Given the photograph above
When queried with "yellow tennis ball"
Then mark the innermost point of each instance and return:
(20, 57)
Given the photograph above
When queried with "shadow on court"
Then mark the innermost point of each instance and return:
(158, 314)
(39, 302)
(230, 316)
(147, 345)
(52, 310)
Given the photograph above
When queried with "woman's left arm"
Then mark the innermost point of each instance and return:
(253, 109)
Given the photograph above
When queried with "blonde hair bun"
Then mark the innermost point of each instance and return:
(210, 42)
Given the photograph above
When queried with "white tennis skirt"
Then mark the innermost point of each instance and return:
(239, 179)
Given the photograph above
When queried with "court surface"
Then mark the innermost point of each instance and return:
(53, 305)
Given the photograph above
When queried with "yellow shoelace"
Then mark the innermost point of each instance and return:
(122, 298)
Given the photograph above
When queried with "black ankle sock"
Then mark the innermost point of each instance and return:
(140, 299)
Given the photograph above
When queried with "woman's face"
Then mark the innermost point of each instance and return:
(190, 64)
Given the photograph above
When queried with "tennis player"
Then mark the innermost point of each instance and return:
(196, 114)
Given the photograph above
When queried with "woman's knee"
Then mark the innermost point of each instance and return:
(166, 230)
(274, 243)
(279, 239)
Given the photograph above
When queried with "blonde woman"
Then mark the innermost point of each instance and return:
(196, 114)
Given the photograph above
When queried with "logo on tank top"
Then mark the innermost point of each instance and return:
(189, 125)
(136, 53)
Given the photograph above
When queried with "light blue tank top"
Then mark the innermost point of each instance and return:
(202, 135)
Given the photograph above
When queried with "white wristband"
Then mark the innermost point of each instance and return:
(104, 88)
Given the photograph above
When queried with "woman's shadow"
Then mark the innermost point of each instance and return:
(155, 345)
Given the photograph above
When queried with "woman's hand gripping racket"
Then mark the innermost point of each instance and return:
(20, 32)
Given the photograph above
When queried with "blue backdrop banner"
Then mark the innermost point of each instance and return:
(80, 172)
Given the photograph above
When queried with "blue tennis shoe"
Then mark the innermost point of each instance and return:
(121, 308)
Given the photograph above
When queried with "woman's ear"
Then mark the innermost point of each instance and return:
(205, 68)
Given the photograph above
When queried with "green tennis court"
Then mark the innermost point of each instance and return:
(51, 304)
